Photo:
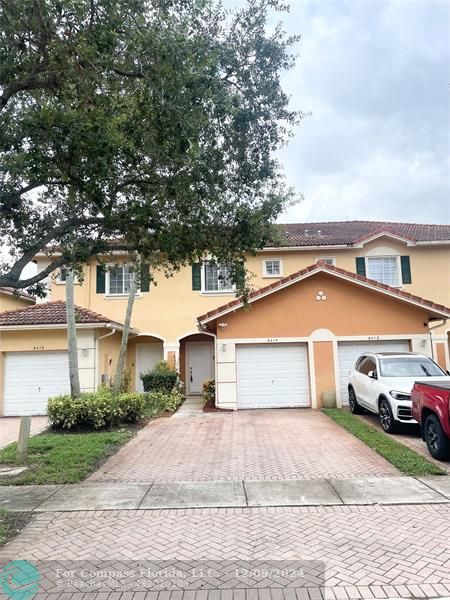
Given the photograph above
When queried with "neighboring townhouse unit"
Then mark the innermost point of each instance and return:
(330, 292)
(11, 299)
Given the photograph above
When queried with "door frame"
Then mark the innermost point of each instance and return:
(189, 346)
(137, 361)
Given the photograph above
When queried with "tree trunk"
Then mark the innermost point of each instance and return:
(72, 345)
(126, 331)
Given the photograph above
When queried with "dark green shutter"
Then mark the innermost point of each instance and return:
(145, 277)
(101, 280)
(406, 269)
(197, 277)
(361, 265)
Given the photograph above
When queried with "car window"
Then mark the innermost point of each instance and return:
(359, 362)
(367, 365)
(409, 366)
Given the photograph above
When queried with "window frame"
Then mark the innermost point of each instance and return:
(267, 275)
(397, 258)
(325, 258)
(109, 294)
(217, 292)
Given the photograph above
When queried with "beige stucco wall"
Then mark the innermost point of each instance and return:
(46, 340)
(9, 302)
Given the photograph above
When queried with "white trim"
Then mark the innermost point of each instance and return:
(322, 269)
(217, 292)
(149, 334)
(264, 269)
(20, 295)
(107, 324)
(337, 374)
(312, 374)
(388, 234)
(397, 257)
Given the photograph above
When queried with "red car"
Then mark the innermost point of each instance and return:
(431, 408)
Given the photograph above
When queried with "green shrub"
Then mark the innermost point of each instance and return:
(160, 379)
(209, 391)
(158, 402)
(95, 410)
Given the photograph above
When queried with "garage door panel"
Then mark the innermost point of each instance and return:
(349, 352)
(272, 376)
(31, 379)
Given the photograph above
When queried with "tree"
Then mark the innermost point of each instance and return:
(147, 125)
(118, 378)
(72, 343)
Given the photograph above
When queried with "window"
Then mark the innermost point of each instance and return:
(216, 278)
(411, 366)
(61, 275)
(367, 365)
(384, 269)
(329, 260)
(119, 280)
(272, 268)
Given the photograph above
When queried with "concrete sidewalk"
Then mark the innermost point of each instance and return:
(226, 494)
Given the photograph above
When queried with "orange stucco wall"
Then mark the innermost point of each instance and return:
(324, 367)
(348, 310)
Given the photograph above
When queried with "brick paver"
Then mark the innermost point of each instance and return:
(367, 552)
(257, 444)
(410, 436)
(9, 428)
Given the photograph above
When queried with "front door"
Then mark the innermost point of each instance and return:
(199, 366)
(147, 355)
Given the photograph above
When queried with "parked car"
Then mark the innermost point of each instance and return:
(381, 383)
(431, 408)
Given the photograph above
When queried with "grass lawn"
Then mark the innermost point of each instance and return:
(63, 457)
(3, 526)
(406, 460)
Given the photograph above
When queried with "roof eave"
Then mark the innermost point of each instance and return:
(320, 269)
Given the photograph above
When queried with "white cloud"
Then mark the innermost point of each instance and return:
(374, 75)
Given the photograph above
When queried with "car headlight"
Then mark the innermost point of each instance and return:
(400, 395)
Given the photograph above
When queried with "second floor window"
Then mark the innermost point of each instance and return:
(119, 280)
(272, 268)
(217, 278)
(384, 269)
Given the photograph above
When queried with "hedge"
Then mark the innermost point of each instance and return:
(160, 379)
(95, 410)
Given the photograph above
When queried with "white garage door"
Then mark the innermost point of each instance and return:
(31, 379)
(349, 352)
(272, 376)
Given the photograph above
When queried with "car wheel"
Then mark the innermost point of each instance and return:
(388, 423)
(437, 442)
(353, 402)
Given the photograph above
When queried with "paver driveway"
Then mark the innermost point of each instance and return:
(367, 552)
(9, 428)
(259, 444)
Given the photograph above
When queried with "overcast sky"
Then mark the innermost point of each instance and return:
(374, 75)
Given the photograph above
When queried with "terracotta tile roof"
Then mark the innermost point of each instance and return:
(349, 233)
(50, 313)
(322, 266)
(12, 292)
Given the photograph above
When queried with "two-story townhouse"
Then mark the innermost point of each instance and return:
(328, 293)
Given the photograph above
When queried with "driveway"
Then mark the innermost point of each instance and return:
(9, 428)
(250, 445)
(410, 436)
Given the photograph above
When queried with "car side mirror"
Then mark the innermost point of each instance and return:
(372, 375)
(448, 372)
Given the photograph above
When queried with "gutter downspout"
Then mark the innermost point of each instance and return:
(96, 366)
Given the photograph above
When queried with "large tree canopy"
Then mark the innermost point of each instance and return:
(149, 124)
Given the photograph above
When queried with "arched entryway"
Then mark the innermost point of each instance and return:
(196, 363)
(143, 352)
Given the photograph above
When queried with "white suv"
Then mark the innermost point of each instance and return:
(382, 384)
